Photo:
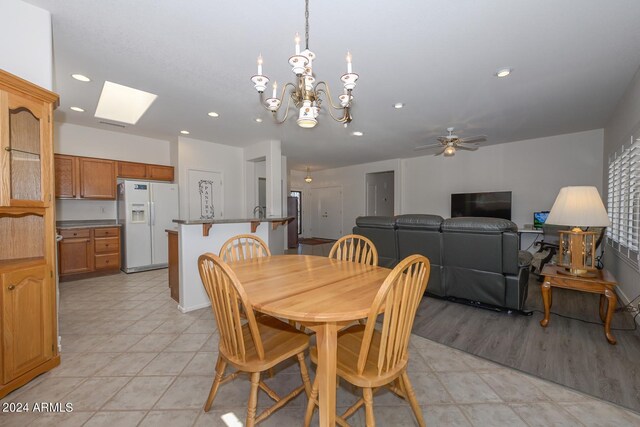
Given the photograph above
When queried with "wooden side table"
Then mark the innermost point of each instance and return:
(604, 284)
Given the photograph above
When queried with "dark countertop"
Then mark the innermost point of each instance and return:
(230, 221)
(91, 223)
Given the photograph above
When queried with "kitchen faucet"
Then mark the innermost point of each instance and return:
(260, 211)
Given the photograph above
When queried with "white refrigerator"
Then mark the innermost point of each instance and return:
(146, 210)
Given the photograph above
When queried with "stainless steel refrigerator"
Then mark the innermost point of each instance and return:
(146, 210)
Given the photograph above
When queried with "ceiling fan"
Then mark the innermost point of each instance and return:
(450, 143)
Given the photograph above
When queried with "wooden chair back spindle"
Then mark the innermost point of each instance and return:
(227, 296)
(400, 295)
(244, 246)
(355, 248)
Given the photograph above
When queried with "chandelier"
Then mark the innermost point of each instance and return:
(305, 93)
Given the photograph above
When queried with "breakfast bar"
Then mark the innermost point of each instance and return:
(196, 237)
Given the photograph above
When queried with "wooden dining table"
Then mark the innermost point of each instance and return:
(321, 293)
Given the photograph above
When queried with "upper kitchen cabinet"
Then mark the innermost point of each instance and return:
(133, 170)
(97, 178)
(66, 172)
(85, 178)
(25, 131)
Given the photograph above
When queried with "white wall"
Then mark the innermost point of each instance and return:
(209, 156)
(271, 153)
(25, 50)
(352, 181)
(533, 170)
(623, 124)
(91, 142)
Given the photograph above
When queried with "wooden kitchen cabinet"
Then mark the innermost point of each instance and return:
(97, 178)
(86, 252)
(28, 328)
(160, 173)
(28, 319)
(132, 170)
(75, 252)
(66, 173)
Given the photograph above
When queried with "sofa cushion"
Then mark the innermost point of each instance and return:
(376, 222)
(419, 222)
(479, 225)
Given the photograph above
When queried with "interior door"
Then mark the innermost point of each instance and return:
(164, 209)
(329, 214)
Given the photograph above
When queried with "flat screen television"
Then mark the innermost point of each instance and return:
(495, 204)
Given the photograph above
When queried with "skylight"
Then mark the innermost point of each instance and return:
(122, 103)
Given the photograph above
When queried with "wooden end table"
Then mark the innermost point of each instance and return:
(604, 284)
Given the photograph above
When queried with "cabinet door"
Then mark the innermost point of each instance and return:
(132, 170)
(28, 320)
(66, 176)
(24, 158)
(75, 255)
(97, 178)
(160, 173)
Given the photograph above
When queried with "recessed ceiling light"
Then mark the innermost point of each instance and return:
(184, 132)
(122, 103)
(398, 105)
(213, 114)
(259, 120)
(81, 77)
(357, 133)
(78, 109)
(503, 72)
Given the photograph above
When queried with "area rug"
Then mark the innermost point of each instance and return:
(568, 351)
(315, 241)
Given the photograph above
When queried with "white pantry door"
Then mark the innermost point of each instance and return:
(329, 214)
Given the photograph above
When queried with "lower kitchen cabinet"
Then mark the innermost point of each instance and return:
(84, 251)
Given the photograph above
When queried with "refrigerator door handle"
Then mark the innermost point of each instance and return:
(152, 213)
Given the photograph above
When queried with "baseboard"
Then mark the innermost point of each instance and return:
(193, 307)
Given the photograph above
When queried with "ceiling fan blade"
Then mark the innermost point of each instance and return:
(442, 139)
(426, 147)
(474, 139)
(466, 147)
(440, 153)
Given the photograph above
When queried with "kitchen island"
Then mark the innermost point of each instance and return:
(196, 237)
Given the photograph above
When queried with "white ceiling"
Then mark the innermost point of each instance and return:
(572, 61)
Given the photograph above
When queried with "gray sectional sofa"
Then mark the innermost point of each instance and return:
(475, 259)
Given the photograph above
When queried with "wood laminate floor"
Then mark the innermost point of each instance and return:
(568, 352)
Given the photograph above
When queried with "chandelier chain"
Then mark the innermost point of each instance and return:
(306, 19)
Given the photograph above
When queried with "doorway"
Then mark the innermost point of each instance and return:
(329, 213)
(380, 193)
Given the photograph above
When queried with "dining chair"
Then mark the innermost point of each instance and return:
(243, 246)
(252, 345)
(356, 248)
(371, 358)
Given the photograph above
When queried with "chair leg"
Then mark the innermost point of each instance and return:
(367, 394)
(253, 399)
(304, 373)
(221, 365)
(311, 404)
(411, 397)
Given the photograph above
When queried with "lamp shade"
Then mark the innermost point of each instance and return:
(579, 207)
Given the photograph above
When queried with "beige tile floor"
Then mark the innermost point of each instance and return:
(129, 357)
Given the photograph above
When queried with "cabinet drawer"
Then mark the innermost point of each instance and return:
(75, 232)
(106, 232)
(110, 261)
(107, 245)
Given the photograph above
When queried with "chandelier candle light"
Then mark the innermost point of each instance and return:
(306, 95)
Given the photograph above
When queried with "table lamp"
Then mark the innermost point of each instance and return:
(578, 207)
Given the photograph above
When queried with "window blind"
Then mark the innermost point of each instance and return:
(623, 201)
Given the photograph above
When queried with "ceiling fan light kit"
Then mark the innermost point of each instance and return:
(450, 143)
(306, 94)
